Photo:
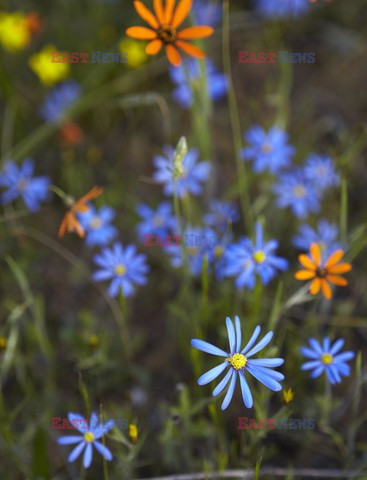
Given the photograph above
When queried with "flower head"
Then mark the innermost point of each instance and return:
(237, 362)
(97, 225)
(133, 433)
(288, 396)
(59, 99)
(245, 260)
(325, 235)
(221, 215)
(325, 358)
(282, 8)
(20, 183)
(320, 170)
(47, 71)
(268, 150)
(135, 52)
(159, 222)
(188, 79)
(190, 177)
(294, 190)
(90, 436)
(15, 33)
(70, 222)
(163, 29)
(123, 266)
(322, 272)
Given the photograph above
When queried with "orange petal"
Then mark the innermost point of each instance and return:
(337, 280)
(334, 258)
(306, 261)
(63, 226)
(141, 33)
(315, 253)
(94, 193)
(190, 49)
(341, 268)
(173, 56)
(326, 289)
(154, 47)
(181, 12)
(315, 286)
(304, 275)
(195, 32)
(158, 8)
(146, 14)
(170, 5)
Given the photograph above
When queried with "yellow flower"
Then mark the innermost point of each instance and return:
(135, 52)
(288, 396)
(14, 31)
(133, 433)
(3, 343)
(94, 340)
(47, 71)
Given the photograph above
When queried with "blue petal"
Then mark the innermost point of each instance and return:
(260, 345)
(267, 362)
(317, 372)
(246, 392)
(81, 422)
(330, 376)
(212, 374)
(343, 369)
(311, 365)
(337, 346)
(326, 344)
(104, 451)
(231, 335)
(315, 345)
(252, 339)
(230, 391)
(222, 384)
(335, 373)
(274, 374)
(76, 452)
(344, 357)
(238, 333)
(208, 348)
(264, 378)
(69, 440)
(308, 353)
(88, 455)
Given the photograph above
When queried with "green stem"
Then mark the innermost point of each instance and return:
(235, 122)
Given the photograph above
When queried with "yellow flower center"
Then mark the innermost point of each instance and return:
(192, 251)
(89, 437)
(167, 34)
(267, 148)
(120, 269)
(218, 251)
(326, 358)
(96, 223)
(158, 221)
(237, 361)
(259, 256)
(299, 191)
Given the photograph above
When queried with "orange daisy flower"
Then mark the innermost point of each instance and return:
(322, 273)
(163, 31)
(70, 222)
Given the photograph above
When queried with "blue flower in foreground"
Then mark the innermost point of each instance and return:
(59, 99)
(221, 215)
(123, 266)
(320, 170)
(325, 358)
(244, 260)
(217, 83)
(189, 180)
(97, 225)
(207, 13)
(282, 8)
(158, 222)
(268, 150)
(325, 235)
(20, 183)
(90, 436)
(294, 190)
(238, 361)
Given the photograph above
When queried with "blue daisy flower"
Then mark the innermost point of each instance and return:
(221, 215)
(123, 266)
(320, 170)
(159, 222)
(238, 361)
(268, 150)
(20, 183)
(207, 13)
(97, 225)
(325, 235)
(90, 436)
(244, 260)
(190, 179)
(59, 99)
(184, 93)
(295, 191)
(325, 358)
(282, 8)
